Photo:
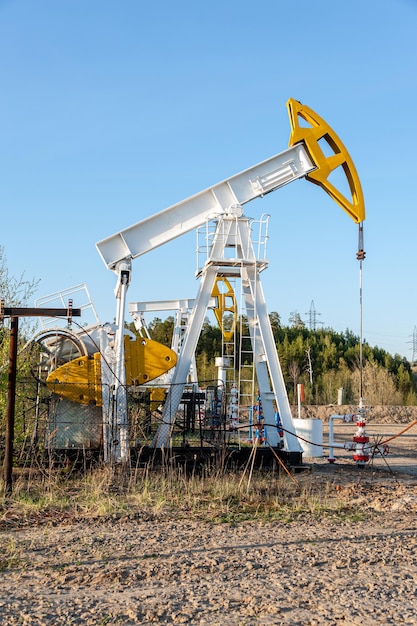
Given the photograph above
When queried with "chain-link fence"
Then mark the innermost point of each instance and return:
(48, 425)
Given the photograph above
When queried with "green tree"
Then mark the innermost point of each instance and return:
(295, 320)
(16, 292)
(162, 331)
(294, 372)
(404, 380)
(334, 358)
(275, 321)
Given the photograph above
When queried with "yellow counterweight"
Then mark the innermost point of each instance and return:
(79, 380)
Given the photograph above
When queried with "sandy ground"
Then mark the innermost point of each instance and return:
(312, 570)
(176, 571)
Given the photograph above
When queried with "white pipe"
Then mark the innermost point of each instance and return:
(120, 450)
(347, 418)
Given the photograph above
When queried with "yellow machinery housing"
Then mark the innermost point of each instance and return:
(79, 380)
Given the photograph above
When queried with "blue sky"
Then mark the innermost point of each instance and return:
(114, 110)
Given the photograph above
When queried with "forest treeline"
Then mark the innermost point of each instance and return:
(323, 360)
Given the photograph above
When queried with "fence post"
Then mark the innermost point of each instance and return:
(11, 398)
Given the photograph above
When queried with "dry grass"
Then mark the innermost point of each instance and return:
(215, 497)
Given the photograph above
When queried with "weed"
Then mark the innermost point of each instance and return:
(10, 555)
(217, 497)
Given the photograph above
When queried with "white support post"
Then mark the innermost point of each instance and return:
(268, 368)
(192, 334)
(185, 360)
(115, 412)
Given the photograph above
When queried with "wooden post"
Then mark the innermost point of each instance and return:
(11, 399)
(14, 314)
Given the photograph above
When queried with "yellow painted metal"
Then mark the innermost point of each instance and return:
(318, 130)
(79, 380)
(226, 303)
(157, 398)
(146, 359)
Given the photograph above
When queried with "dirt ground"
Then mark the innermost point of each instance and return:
(310, 570)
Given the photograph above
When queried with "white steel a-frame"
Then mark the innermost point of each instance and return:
(233, 233)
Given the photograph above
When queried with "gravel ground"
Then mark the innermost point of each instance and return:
(312, 570)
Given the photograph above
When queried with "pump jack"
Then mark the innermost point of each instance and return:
(223, 205)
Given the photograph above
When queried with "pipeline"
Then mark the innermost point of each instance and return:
(360, 440)
(359, 444)
(347, 419)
